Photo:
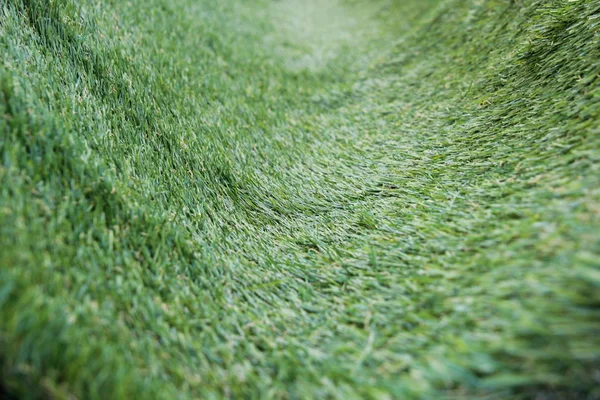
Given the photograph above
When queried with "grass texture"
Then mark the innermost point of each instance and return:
(300, 199)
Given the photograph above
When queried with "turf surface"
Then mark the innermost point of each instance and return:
(299, 199)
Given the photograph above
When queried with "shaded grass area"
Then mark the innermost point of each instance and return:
(229, 199)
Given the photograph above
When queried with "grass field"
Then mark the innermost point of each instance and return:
(289, 199)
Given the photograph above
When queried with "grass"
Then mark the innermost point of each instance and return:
(280, 199)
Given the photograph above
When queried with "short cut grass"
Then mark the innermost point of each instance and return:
(299, 199)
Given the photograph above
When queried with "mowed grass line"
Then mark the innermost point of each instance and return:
(240, 200)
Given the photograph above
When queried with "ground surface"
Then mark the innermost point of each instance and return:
(298, 199)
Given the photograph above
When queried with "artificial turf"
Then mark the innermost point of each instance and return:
(300, 199)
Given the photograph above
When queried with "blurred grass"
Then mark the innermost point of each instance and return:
(383, 199)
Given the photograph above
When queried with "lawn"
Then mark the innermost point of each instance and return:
(284, 199)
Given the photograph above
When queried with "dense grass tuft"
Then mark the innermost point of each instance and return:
(293, 199)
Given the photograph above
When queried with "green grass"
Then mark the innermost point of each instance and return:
(300, 199)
